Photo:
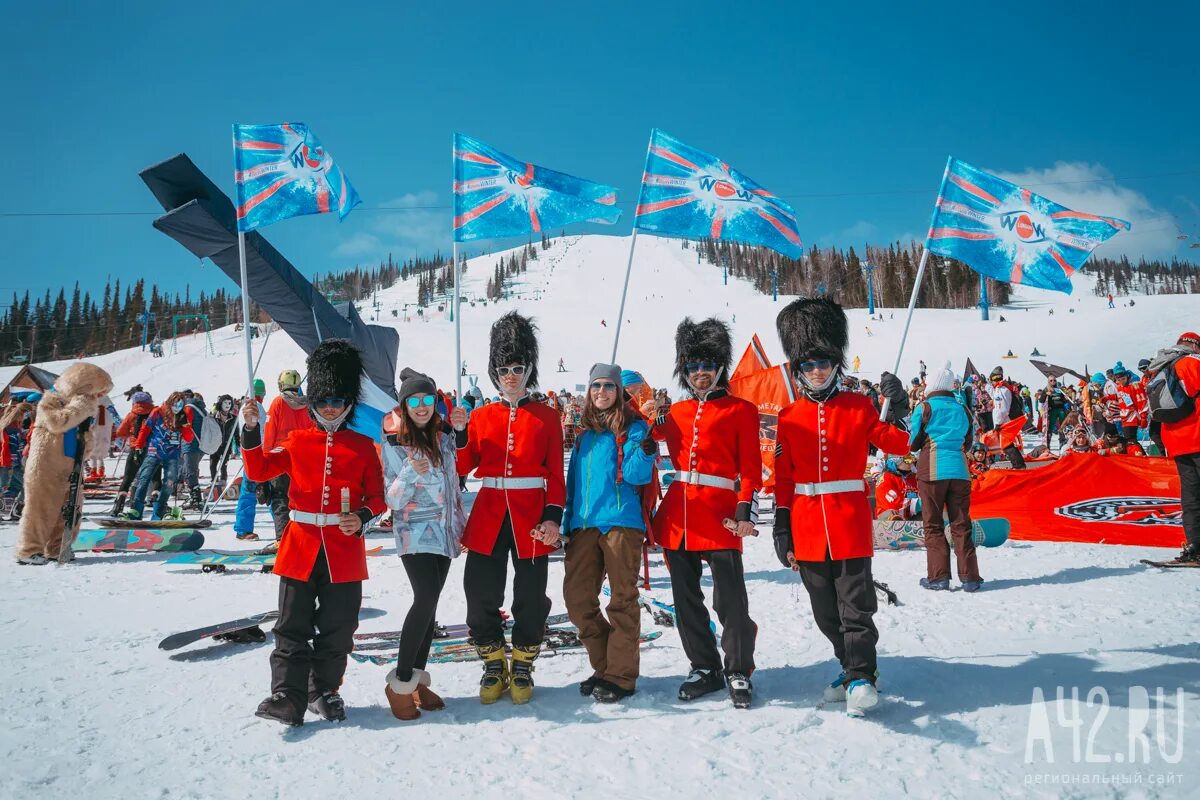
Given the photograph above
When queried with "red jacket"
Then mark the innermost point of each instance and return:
(521, 441)
(716, 436)
(892, 491)
(282, 419)
(1133, 405)
(320, 465)
(824, 442)
(1183, 437)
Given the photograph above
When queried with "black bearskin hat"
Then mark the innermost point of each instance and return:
(707, 340)
(514, 341)
(334, 370)
(813, 327)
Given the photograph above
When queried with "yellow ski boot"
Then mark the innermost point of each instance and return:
(522, 673)
(495, 672)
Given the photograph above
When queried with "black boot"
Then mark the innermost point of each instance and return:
(741, 691)
(329, 706)
(701, 682)
(196, 501)
(606, 692)
(588, 686)
(1189, 555)
(118, 505)
(281, 708)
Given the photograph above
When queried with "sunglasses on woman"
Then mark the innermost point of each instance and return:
(330, 402)
(603, 387)
(518, 370)
(815, 364)
(701, 366)
(427, 400)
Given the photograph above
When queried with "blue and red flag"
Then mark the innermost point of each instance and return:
(496, 195)
(690, 193)
(1011, 234)
(283, 171)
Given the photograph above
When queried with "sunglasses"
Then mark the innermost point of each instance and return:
(330, 402)
(518, 370)
(427, 400)
(815, 364)
(700, 366)
(603, 387)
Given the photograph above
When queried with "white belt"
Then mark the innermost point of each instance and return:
(830, 487)
(700, 479)
(514, 483)
(308, 518)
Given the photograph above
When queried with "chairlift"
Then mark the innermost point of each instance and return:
(21, 356)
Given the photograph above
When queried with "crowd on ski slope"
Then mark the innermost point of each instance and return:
(327, 483)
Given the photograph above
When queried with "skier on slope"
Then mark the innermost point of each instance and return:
(422, 489)
(820, 458)
(709, 509)
(322, 561)
(515, 447)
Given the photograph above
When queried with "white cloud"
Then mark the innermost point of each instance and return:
(853, 236)
(360, 244)
(416, 229)
(1091, 188)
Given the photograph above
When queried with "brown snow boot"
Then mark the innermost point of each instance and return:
(401, 696)
(425, 697)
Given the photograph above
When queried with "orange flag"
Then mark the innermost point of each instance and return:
(772, 390)
(754, 359)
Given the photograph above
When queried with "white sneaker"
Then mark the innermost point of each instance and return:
(861, 696)
(835, 692)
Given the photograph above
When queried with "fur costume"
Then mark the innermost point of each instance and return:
(707, 340)
(334, 370)
(813, 328)
(101, 433)
(48, 469)
(514, 341)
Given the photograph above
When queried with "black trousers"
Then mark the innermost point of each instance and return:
(427, 574)
(1189, 495)
(843, 602)
(132, 465)
(315, 632)
(729, 600)
(279, 503)
(484, 582)
(218, 461)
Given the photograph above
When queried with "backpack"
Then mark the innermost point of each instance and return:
(210, 435)
(1169, 401)
(1016, 407)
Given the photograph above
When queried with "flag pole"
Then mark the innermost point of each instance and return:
(246, 315)
(916, 290)
(458, 370)
(624, 292)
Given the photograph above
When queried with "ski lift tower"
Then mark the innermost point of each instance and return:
(868, 268)
(983, 297)
(177, 318)
(145, 319)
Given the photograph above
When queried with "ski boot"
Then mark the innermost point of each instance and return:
(401, 695)
(521, 691)
(607, 692)
(861, 697)
(175, 513)
(701, 682)
(329, 706)
(588, 685)
(195, 502)
(935, 586)
(495, 672)
(835, 692)
(118, 505)
(132, 514)
(741, 691)
(426, 698)
(281, 708)
(1189, 555)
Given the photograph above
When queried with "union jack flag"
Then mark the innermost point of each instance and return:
(1011, 234)
(496, 195)
(690, 193)
(282, 171)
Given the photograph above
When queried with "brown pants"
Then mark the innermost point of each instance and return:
(954, 498)
(612, 644)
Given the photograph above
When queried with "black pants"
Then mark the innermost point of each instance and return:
(315, 632)
(484, 582)
(279, 503)
(427, 574)
(729, 600)
(132, 465)
(843, 602)
(1189, 495)
(218, 461)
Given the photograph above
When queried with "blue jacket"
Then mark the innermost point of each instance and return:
(594, 499)
(942, 434)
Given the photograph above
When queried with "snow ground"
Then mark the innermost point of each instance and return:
(101, 712)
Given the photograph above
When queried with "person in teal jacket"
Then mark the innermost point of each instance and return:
(941, 430)
(605, 530)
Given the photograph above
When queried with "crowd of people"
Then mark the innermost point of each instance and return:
(326, 483)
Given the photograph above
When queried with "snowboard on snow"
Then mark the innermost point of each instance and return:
(1171, 564)
(219, 560)
(901, 534)
(166, 524)
(559, 640)
(229, 630)
(137, 539)
(385, 640)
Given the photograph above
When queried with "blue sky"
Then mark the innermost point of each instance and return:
(847, 111)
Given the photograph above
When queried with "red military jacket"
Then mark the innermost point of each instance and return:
(320, 465)
(717, 435)
(824, 442)
(521, 441)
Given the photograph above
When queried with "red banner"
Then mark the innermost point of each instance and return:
(771, 390)
(1085, 497)
(753, 360)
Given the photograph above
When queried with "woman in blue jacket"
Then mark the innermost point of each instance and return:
(605, 529)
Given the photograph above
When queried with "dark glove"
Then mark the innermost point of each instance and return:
(782, 535)
(649, 446)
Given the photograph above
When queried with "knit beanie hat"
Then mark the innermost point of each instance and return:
(611, 372)
(413, 382)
